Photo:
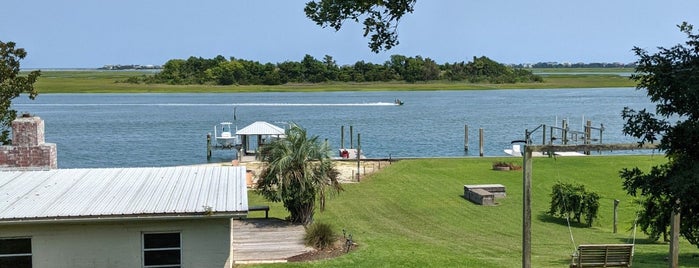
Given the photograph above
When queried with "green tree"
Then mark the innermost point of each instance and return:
(380, 17)
(12, 85)
(291, 71)
(671, 79)
(298, 170)
(313, 69)
(225, 73)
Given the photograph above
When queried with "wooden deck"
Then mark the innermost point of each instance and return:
(266, 241)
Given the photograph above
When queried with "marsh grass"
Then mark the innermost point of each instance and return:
(413, 214)
(93, 81)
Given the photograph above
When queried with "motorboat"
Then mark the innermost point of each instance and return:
(398, 102)
(225, 136)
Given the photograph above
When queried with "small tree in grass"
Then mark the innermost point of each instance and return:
(298, 169)
(573, 201)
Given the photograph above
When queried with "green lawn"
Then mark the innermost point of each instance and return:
(94, 81)
(412, 214)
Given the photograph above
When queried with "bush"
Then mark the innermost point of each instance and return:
(319, 235)
(573, 200)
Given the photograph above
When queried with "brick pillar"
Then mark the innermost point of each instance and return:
(28, 150)
(27, 131)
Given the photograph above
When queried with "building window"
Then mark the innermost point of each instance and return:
(162, 250)
(15, 252)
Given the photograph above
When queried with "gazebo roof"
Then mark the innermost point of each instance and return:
(260, 128)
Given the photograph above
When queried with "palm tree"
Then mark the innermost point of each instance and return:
(298, 170)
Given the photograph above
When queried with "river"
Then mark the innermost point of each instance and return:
(139, 130)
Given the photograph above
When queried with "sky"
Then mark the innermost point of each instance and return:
(94, 33)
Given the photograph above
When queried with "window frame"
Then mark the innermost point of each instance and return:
(30, 254)
(144, 249)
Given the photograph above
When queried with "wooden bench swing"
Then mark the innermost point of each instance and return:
(603, 255)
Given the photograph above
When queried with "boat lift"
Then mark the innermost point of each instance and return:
(226, 140)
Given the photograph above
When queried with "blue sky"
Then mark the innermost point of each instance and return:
(92, 33)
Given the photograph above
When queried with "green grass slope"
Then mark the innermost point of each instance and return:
(412, 214)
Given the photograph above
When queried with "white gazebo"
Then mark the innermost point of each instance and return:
(261, 132)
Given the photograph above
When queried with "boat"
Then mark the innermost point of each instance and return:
(224, 135)
(398, 102)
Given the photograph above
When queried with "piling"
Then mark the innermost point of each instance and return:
(342, 137)
(208, 146)
(564, 126)
(351, 138)
(543, 137)
(588, 137)
(465, 137)
(480, 141)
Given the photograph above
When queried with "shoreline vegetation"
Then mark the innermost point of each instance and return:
(106, 81)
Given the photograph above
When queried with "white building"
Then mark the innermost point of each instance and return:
(120, 217)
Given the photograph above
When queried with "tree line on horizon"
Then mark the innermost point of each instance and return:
(233, 71)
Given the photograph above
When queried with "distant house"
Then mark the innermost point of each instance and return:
(120, 217)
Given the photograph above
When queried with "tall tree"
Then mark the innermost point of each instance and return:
(297, 170)
(671, 79)
(380, 17)
(12, 85)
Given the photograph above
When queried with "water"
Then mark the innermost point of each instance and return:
(137, 130)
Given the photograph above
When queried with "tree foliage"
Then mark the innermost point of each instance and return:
(12, 84)
(220, 71)
(380, 17)
(671, 79)
(573, 201)
(297, 170)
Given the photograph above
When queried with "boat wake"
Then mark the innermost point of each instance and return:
(209, 104)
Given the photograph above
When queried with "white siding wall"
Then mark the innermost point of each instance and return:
(205, 242)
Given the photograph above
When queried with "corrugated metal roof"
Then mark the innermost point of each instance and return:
(122, 192)
(260, 128)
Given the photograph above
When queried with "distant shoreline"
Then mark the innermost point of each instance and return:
(114, 81)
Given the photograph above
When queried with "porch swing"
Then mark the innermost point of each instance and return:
(601, 255)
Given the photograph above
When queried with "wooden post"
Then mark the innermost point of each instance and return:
(351, 138)
(465, 137)
(588, 133)
(527, 208)
(480, 141)
(208, 146)
(550, 135)
(616, 207)
(564, 132)
(675, 237)
(543, 138)
(342, 137)
(359, 153)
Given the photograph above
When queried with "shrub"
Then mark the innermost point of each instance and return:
(572, 200)
(319, 235)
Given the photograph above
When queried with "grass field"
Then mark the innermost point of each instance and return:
(94, 81)
(412, 214)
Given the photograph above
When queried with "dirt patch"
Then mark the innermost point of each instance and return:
(337, 249)
(348, 169)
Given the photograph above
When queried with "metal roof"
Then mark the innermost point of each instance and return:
(260, 128)
(122, 193)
